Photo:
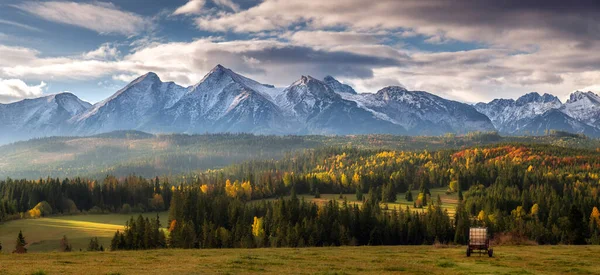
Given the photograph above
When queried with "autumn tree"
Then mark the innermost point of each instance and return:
(258, 231)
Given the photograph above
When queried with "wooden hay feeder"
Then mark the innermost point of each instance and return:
(479, 241)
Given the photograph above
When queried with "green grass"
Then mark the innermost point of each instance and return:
(328, 260)
(44, 234)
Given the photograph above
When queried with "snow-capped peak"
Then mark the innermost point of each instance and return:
(579, 95)
(223, 75)
(71, 103)
(337, 86)
(535, 97)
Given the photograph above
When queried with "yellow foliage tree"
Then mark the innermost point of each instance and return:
(344, 180)
(247, 189)
(535, 209)
(481, 216)
(356, 179)
(595, 216)
(204, 188)
(258, 229)
(453, 185)
(518, 213)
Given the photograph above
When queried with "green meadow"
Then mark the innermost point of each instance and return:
(323, 260)
(44, 234)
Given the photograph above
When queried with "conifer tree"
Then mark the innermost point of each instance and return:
(20, 244)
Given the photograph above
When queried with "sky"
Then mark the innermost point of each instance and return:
(464, 50)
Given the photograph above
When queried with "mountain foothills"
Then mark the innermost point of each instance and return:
(224, 101)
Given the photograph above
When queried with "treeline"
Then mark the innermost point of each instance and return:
(216, 220)
(43, 197)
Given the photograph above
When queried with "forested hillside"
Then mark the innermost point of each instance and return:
(544, 193)
(128, 152)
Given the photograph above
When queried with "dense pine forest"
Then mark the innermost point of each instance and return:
(542, 193)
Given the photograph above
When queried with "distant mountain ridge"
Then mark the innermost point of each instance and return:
(224, 101)
(534, 114)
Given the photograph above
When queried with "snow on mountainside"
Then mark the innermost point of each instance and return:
(322, 111)
(337, 86)
(584, 107)
(533, 114)
(131, 107)
(556, 120)
(224, 101)
(510, 116)
(422, 113)
(39, 117)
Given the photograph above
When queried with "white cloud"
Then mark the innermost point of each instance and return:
(125, 77)
(191, 7)
(228, 4)
(103, 18)
(104, 52)
(20, 25)
(12, 90)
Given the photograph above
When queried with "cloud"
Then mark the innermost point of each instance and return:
(432, 17)
(12, 90)
(228, 4)
(332, 38)
(104, 18)
(104, 52)
(17, 24)
(187, 62)
(191, 7)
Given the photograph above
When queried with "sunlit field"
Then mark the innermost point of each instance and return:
(44, 234)
(327, 260)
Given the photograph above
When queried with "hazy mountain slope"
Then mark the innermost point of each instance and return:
(224, 101)
(322, 111)
(422, 113)
(39, 117)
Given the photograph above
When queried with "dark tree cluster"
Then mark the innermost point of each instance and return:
(140, 233)
(70, 196)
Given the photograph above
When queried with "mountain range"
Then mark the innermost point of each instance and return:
(224, 101)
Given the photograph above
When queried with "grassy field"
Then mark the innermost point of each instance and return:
(328, 260)
(44, 234)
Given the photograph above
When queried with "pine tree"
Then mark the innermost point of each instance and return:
(94, 244)
(20, 245)
(408, 196)
(359, 194)
(115, 243)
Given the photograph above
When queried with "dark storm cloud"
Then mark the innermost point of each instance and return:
(299, 60)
